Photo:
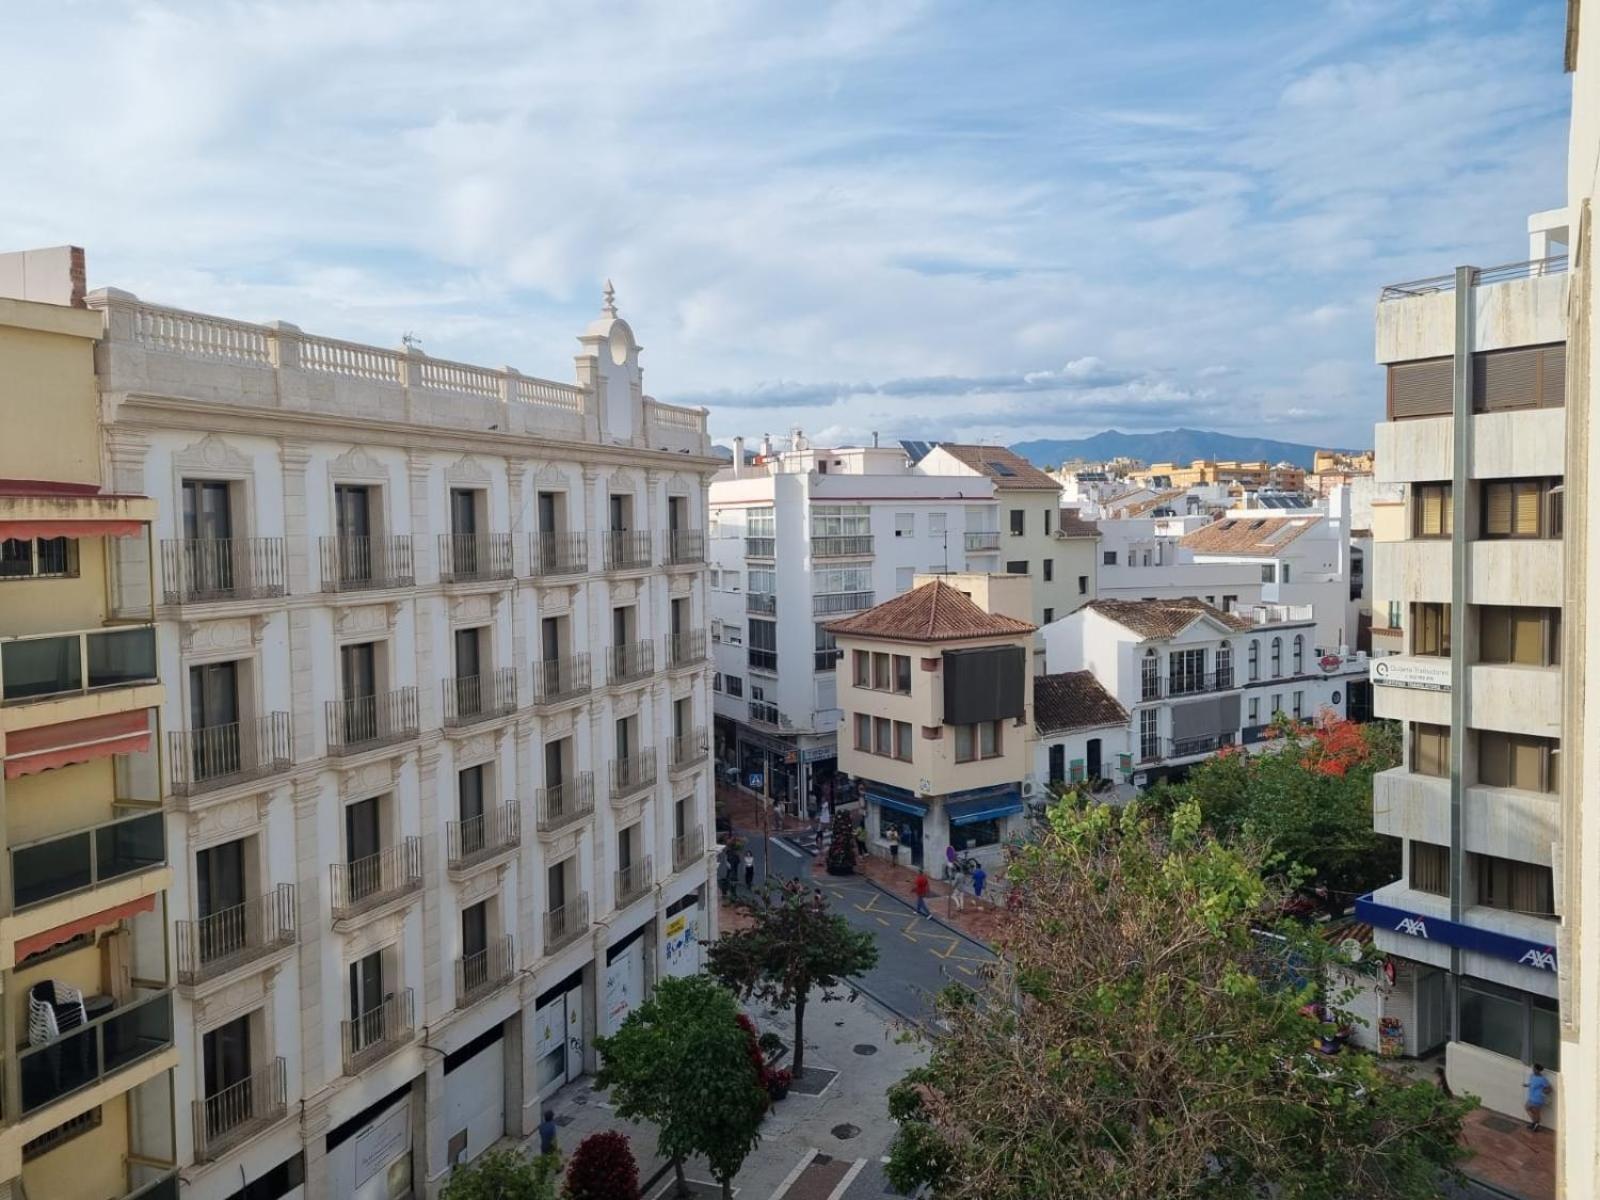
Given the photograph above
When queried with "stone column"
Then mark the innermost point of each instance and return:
(523, 796)
(434, 968)
(298, 547)
(419, 467)
(314, 1125)
(430, 1141)
(311, 859)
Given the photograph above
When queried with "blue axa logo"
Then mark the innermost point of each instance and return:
(1539, 960)
(1415, 926)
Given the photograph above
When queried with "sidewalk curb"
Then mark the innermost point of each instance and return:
(960, 933)
(1493, 1188)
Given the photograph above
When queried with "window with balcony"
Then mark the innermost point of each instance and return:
(1432, 510)
(220, 874)
(38, 558)
(763, 650)
(1430, 749)
(380, 1012)
(1149, 734)
(1505, 883)
(1186, 672)
(1430, 630)
(761, 532)
(1430, 868)
(1516, 760)
(977, 742)
(1277, 657)
(1519, 508)
(826, 649)
(1529, 637)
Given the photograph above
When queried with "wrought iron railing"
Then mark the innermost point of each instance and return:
(474, 557)
(632, 881)
(630, 661)
(565, 803)
(627, 549)
(378, 1032)
(686, 649)
(565, 923)
(558, 679)
(483, 836)
(368, 882)
(688, 748)
(355, 564)
(479, 974)
(849, 545)
(203, 760)
(219, 942)
(365, 722)
(559, 554)
(685, 546)
(473, 698)
(227, 1117)
(204, 570)
(688, 847)
(633, 773)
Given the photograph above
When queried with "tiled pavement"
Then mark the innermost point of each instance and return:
(1511, 1158)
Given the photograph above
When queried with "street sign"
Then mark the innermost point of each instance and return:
(1418, 672)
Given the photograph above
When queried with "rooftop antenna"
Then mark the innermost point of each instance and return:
(410, 341)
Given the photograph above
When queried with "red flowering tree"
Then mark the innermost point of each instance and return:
(602, 1168)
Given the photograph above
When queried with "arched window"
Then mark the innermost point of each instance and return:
(1255, 660)
(1225, 665)
(1150, 676)
(1299, 653)
(1277, 657)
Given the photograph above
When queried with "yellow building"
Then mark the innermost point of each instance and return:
(1283, 477)
(85, 990)
(938, 713)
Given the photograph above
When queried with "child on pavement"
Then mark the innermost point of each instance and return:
(1539, 1089)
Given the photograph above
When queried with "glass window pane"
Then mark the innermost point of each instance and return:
(1545, 1034)
(1491, 1021)
(40, 667)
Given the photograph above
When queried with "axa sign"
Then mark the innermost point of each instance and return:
(1539, 960)
(1414, 926)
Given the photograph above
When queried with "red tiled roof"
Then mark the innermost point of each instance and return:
(1070, 524)
(1253, 537)
(1074, 700)
(1164, 618)
(934, 612)
(1008, 469)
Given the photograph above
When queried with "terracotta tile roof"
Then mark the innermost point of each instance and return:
(1073, 700)
(1156, 501)
(1164, 618)
(1070, 524)
(934, 612)
(1008, 470)
(1253, 537)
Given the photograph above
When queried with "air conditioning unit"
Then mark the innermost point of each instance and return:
(1029, 789)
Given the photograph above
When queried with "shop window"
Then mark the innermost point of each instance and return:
(974, 834)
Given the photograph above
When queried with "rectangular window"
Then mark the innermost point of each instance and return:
(1517, 760)
(1299, 705)
(761, 523)
(1047, 515)
(1108, 558)
(1430, 749)
(905, 525)
(763, 652)
(1230, 603)
(1049, 615)
(1018, 517)
(1255, 710)
(1049, 570)
(862, 673)
(975, 742)
(902, 741)
(841, 520)
(1515, 508)
(1083, 585)
(825, 647)
(1514, 886)
(880, 671)
(1017, 568)
(882, 733)
(1149, 739)
(1430, 630)
(1525, 636)
(1432, 510)
(1277, 705)
(716, 681)
(864, 733)
(734, 684)
(1268, 572)
(904, 578)
(1430, 868)
(38, 558)
(937, 524)
(902, 674)
(1394, 614)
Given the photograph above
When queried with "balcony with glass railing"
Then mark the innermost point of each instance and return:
(556, 680)
(474, 698)
(630, 662)
(59, 666)
(359, 564)
(220, 942)
(378, 1032)
(851, 545)
(474, 557)
(62, 1061)
(65, 864)
(685, 650)
(566, 923)
(632, 774)
(231, 1116)
(688, 749)
(685, 547)
(627, 549)
(221, 570)
(367, 883)
(555, 554)
(632, 881)
(564, 804)
(204, 760)
(480, 838)
(827, 604)
(688, 848)
(477, 975)
(368, 722)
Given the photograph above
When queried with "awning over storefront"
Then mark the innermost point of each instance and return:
(989, 805)
(40, 508)
(896, 798)
(1537, 956)
(29, 751)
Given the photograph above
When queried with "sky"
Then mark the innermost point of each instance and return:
(981, 221)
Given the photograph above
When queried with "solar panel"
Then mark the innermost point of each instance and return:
(915, 450)
(1002, 469)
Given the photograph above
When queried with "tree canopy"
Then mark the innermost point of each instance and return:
(793, 946)
(503, 1175)
(1142, 1036)
(681, 1061)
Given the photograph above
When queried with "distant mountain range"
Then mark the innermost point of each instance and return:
(1175, 445)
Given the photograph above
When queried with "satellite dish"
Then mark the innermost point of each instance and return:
(1351, 949)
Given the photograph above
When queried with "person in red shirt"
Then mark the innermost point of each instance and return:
(920, 887)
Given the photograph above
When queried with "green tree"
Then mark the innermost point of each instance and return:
(681, 1062)
(793, 946)
(503, 1175)
(1140, 1037)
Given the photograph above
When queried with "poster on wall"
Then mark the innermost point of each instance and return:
(624, 985)
(680, 943)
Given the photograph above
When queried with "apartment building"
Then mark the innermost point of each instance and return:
(1082, 736)
(1285, 477)
(1143, 558)
(1195, 680)
(937, 706)
(89, 1106)
(434, 731)
(1475, 431)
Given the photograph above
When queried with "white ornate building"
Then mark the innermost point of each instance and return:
(434, 731)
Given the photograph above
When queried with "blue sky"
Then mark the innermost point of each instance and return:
(986, 221)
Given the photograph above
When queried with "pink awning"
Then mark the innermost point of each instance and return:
(99, 920)
(74, 529)
(29, 751)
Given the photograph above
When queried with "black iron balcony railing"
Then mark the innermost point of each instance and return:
(1193, 683)
(563, 804)
(558, 679)
(228, 1117)
(762, 660)
(760, 547)
(366, 722)
(630, 661)
(203, 760)
(232, 937)
(686, 649)
(764, 712)
(356, 564)
(632, 773)
(982, 541)
(632, 881)
(688, 748)
(474, 557)
(474, 698)
(479, 974)
(688, 847)
(1203, 744)
(565, 923)
(559, 554)
(213, 570)
(377, 1033)
(483, 836)
(94, 1051)
(627, 549)
(47, 665)
(764, 604)
(849, 545)
(825, 604)
(87, 858)
(368, 882)
(685, 547)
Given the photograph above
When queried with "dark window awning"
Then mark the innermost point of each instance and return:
(993, 804)
(896, 798)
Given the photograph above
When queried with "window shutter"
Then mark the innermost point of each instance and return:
(1497, 509)
(1527, 764)
(1553, 376)
(1420, 389)
(1527, 510)
(1505, 379)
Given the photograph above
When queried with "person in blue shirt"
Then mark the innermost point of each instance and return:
(1539, 1089)
(979, 877)
(547, 1132)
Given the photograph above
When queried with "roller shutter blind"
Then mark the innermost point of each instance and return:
(1420, 389)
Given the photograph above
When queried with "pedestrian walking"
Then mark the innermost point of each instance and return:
(1443, 1084)
(825, 817)
(893, 838)
(979, 878)
(749, 871)
(547, 1133)
(920, 889)
(1539, 1089)
(861, 837)
(949, 861)
(722, 876)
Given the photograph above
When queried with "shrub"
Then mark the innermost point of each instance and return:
(602, 1168)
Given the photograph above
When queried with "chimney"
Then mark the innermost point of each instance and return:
(874, 439)
(766, 445)
(738, 457)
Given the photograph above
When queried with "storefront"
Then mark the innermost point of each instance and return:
(682, 932)
(559, 1038)
(890, 807)
(623, 987)
(369, 1156)
(983, 819)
